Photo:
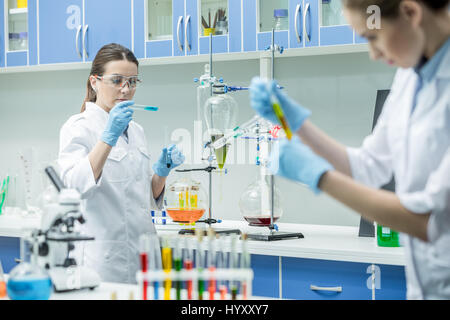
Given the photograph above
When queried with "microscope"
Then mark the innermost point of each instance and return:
(57, 236)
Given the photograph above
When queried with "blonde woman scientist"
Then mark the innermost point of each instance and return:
(411, 140)
(103, 154)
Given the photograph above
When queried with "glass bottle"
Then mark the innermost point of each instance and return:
(386, 237)
(280, 19)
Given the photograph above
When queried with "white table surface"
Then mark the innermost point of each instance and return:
(337, 243)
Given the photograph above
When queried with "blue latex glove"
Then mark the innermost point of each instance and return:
(296, 161)
(260, 100)
(170, 158)
(119, 118)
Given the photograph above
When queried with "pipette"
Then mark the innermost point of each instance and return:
(238, 131)
(140, 107)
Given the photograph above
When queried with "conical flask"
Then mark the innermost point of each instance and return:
(220, 115)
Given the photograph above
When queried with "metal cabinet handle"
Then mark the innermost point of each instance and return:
(307, 10)
(77, 40)
(332, 289)
(297, 33)
(180, 45)
(84, 41)
(188, 40)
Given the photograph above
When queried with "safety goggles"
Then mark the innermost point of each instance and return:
(119, 82)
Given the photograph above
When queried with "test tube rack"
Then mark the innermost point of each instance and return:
(242, 276)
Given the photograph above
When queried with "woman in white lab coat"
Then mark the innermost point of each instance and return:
(411, 140)
(103, 154)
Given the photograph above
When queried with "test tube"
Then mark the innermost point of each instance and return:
(188, 265)
(167, 267)
(280, 116)
(155, 262)
(233, 264)
(221, 263)
(140, 107)
(144, 244)
(177, 265)
(245, 263)
(199, 262)
(211, 263)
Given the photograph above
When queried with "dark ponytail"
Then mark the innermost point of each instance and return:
(389, 8)
(109, 52)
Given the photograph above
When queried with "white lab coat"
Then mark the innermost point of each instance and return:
(117, 206)
(414, 148)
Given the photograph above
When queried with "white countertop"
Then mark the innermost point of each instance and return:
(320, 241)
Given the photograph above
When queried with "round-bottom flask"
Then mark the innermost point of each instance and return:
(255, 203)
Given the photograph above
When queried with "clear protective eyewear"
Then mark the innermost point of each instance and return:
(118, 81)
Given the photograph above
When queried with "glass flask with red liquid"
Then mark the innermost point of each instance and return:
(256, 203)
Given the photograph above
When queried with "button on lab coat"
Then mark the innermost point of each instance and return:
(414, 148)
(117, 206)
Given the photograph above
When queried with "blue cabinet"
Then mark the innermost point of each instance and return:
(61, 28)
(74, 30)
(170, 28)
(312, 279)
(18, 37)
(231, 41)
(106, 21)
(9, 252)
(266, 276)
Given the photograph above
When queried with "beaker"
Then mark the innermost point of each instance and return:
(186, 201)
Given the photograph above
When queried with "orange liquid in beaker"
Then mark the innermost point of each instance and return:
(185, 215)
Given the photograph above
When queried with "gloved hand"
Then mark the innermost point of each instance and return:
(119, 118)
(170, 158)
(260, 100)
(296, 161)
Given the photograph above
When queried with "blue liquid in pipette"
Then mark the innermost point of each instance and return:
(29, 289)
(144, 108)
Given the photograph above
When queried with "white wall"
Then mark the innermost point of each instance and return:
(339, 89)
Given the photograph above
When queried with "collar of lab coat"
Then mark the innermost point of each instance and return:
(444, 68)
(97, 111)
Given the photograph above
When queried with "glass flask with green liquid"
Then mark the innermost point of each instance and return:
(386, 237)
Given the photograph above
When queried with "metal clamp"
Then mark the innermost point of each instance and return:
(84, 41)
(297, 32)
(188, 45)
(77, 40)
(307, 10)
(180, 45)
(330, 289)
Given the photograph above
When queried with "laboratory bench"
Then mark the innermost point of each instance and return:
(330, 262)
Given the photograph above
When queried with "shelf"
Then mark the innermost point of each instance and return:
(18, 11)
(203, 58)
